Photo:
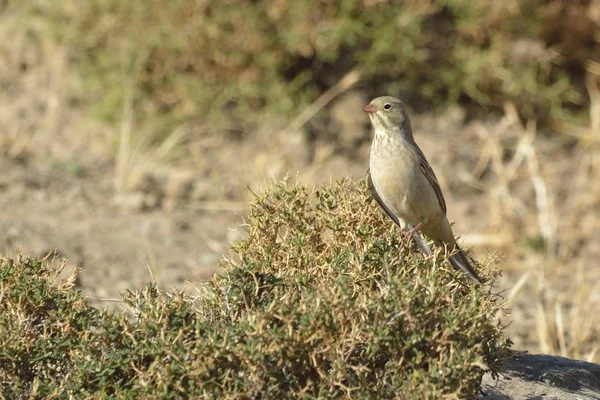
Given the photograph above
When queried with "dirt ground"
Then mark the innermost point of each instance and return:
(125, 215)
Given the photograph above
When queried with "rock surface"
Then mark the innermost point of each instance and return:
(543, 377)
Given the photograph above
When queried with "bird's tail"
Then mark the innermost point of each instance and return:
(460, 262)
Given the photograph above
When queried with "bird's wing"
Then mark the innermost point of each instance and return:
(377, 198)
(431, 178)
(418, 239)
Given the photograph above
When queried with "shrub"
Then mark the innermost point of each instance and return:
(323, 299)
(182, 59)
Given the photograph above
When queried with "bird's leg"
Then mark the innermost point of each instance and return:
(410, 232)
(420, 244)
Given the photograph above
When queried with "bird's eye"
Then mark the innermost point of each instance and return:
(387, 107)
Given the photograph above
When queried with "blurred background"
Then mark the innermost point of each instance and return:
(130, 132)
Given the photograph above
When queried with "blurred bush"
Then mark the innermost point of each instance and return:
(181, 59)
(321, 299)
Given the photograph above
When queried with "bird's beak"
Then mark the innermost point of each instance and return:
(369, 108)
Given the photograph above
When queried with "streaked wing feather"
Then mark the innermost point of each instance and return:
(418, 239)
(430, 175)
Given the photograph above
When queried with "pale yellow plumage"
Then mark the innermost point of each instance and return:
(403, 182)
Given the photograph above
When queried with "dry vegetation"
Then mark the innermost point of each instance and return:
(321, 300)
(547, 197)
(190, 103)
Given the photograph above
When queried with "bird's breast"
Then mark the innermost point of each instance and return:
(398, 179)
(390, 169)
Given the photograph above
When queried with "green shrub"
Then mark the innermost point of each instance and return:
(321, 300)
(183, 59)
(44, 326)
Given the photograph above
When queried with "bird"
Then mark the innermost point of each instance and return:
(404, 184)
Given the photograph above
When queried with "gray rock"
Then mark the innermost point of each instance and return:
(543, 377)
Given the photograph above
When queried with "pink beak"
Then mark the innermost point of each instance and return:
(369, 108)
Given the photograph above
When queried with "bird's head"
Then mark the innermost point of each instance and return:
(388, 114)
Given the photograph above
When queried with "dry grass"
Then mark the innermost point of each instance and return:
(136, 158)
(567, 321)
(37, 118)
(547, 197)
